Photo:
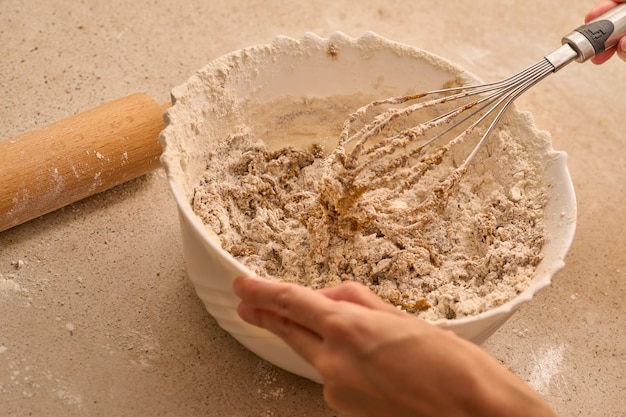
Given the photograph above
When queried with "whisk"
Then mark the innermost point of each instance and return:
(379, 156)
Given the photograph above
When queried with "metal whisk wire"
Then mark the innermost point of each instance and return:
(385, 154)
(477, 102)
(491, 96)
(504, 96)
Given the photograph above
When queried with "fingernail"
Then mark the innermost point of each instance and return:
(237, 283)
(244, 312)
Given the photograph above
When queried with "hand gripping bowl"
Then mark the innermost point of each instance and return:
(209, 105)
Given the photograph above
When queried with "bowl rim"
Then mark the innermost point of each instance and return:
(558, 158)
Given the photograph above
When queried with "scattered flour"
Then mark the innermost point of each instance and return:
(547, 363)
(267, 382)
(301, 214)
(9, 284)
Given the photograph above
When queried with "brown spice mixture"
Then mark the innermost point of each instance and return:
(284, 213)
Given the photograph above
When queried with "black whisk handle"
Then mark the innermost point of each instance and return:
(598, 35)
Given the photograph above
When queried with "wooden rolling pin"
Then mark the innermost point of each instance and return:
(77, 157)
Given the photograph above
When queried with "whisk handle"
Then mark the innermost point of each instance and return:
(598, 35)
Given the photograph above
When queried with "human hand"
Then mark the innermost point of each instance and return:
(598, 10)
(376, 360)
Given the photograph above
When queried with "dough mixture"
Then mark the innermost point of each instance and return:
(298, 213)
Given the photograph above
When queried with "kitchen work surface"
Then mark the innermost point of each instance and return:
(97, 316)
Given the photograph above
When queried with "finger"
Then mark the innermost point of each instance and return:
(600, 9)
(304, 342)
(359, 294)
(621, 48)
(298, 304)
(601, 58)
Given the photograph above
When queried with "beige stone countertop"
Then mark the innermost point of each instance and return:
(97, 317)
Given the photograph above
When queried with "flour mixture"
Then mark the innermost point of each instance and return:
(281, 211)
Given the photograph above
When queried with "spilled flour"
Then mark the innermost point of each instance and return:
(303, 214)
(9, 284)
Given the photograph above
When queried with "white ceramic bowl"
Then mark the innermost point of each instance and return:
(204, 114)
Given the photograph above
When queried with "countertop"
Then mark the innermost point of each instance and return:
(97, 316)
